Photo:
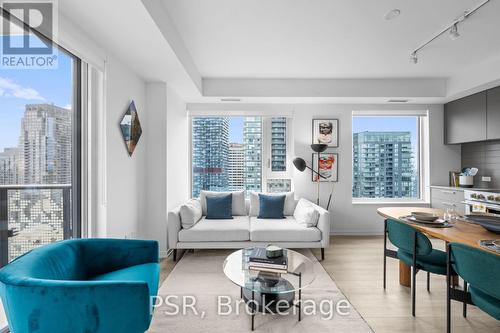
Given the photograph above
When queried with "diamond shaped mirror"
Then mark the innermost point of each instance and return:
(131, 128)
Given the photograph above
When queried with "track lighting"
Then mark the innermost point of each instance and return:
(454, 32)
(414, 57)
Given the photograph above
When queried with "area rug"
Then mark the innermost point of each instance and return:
(198, 277)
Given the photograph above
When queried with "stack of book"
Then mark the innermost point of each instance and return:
(258, 261)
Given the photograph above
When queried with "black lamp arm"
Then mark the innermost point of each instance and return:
(315, 172)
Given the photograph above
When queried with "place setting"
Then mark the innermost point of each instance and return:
(430, 219)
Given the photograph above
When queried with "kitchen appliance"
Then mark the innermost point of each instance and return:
(487, 201)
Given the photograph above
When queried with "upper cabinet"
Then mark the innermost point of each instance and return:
(493, 114)
(465, 119)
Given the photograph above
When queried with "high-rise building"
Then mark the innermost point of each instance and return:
(278, 144)
(45, 142)
(9, 173)
(252, 139)
(383, 165)
(236, 166)
(210, 154)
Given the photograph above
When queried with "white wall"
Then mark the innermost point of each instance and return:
(125, 175)
(167, 169)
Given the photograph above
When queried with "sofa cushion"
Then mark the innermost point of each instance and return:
(289, 203)
(148, 273)
(219, 207)
(238, 204)
(205, 230)
(287, 230)
(190, 213)
(305, 214)
(271, 206)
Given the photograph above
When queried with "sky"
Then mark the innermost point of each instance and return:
(236, 129)
(19, 87)
(386, 124)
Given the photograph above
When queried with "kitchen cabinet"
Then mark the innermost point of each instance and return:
(493, 114)
(448, 199)
(465, 119)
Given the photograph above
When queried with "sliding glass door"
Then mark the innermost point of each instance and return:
(40, 140)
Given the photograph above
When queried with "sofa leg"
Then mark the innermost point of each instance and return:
(175, 255)
(322, 254)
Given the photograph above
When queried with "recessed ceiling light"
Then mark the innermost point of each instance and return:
(230, 99)
(392, 14)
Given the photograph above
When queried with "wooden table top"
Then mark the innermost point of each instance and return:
(461, 232)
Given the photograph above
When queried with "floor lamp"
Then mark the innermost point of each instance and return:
(301, 165)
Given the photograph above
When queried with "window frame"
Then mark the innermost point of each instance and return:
(422, 138)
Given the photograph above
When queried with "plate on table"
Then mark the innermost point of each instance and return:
(437, 221)
(422, 216)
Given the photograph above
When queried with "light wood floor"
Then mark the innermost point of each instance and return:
(355, 264)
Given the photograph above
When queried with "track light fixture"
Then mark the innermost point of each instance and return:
(452, 30)
(414, 57)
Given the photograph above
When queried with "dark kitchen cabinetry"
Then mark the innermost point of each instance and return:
(493, 114)
(465, 119)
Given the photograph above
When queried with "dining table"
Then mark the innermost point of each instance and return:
(460, 231)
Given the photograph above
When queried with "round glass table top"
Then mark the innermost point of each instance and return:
(300, 273)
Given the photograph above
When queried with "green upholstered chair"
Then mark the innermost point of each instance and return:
(415, 250)
(480, 270)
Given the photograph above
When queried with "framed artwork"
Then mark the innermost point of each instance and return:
(328, 167)
(326, 131)
(130, 127)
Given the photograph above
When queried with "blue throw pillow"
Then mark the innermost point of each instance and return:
(219, 207)
(271, 206)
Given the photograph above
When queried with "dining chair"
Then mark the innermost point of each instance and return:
(415, 250)
(480, 270)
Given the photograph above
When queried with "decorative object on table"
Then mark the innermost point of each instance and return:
(273, 251)
(453, 178)
(326, 131)
(328, 167)
(301, 165)
(131, 128)
(490, 244)
(466, 178)
(259, 261)
(488, 222)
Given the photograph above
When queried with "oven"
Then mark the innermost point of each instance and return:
(482, 202)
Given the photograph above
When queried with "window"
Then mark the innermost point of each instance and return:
(386, 157)
(39, 154)
(228, 154)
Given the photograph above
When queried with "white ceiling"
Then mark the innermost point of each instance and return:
(332, 38)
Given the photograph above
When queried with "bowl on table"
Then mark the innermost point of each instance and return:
(422, 216)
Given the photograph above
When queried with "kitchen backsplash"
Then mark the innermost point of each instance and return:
(486, 157)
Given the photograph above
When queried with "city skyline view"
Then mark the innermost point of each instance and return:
(31, 86)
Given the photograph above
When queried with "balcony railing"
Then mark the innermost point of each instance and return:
(31, 216)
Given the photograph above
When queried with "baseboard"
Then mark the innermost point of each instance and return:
(356, 233)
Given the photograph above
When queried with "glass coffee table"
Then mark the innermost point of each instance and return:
(270, 292)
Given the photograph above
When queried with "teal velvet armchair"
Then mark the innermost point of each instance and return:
(82, 285)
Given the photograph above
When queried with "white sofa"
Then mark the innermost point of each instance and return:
(247, 231)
